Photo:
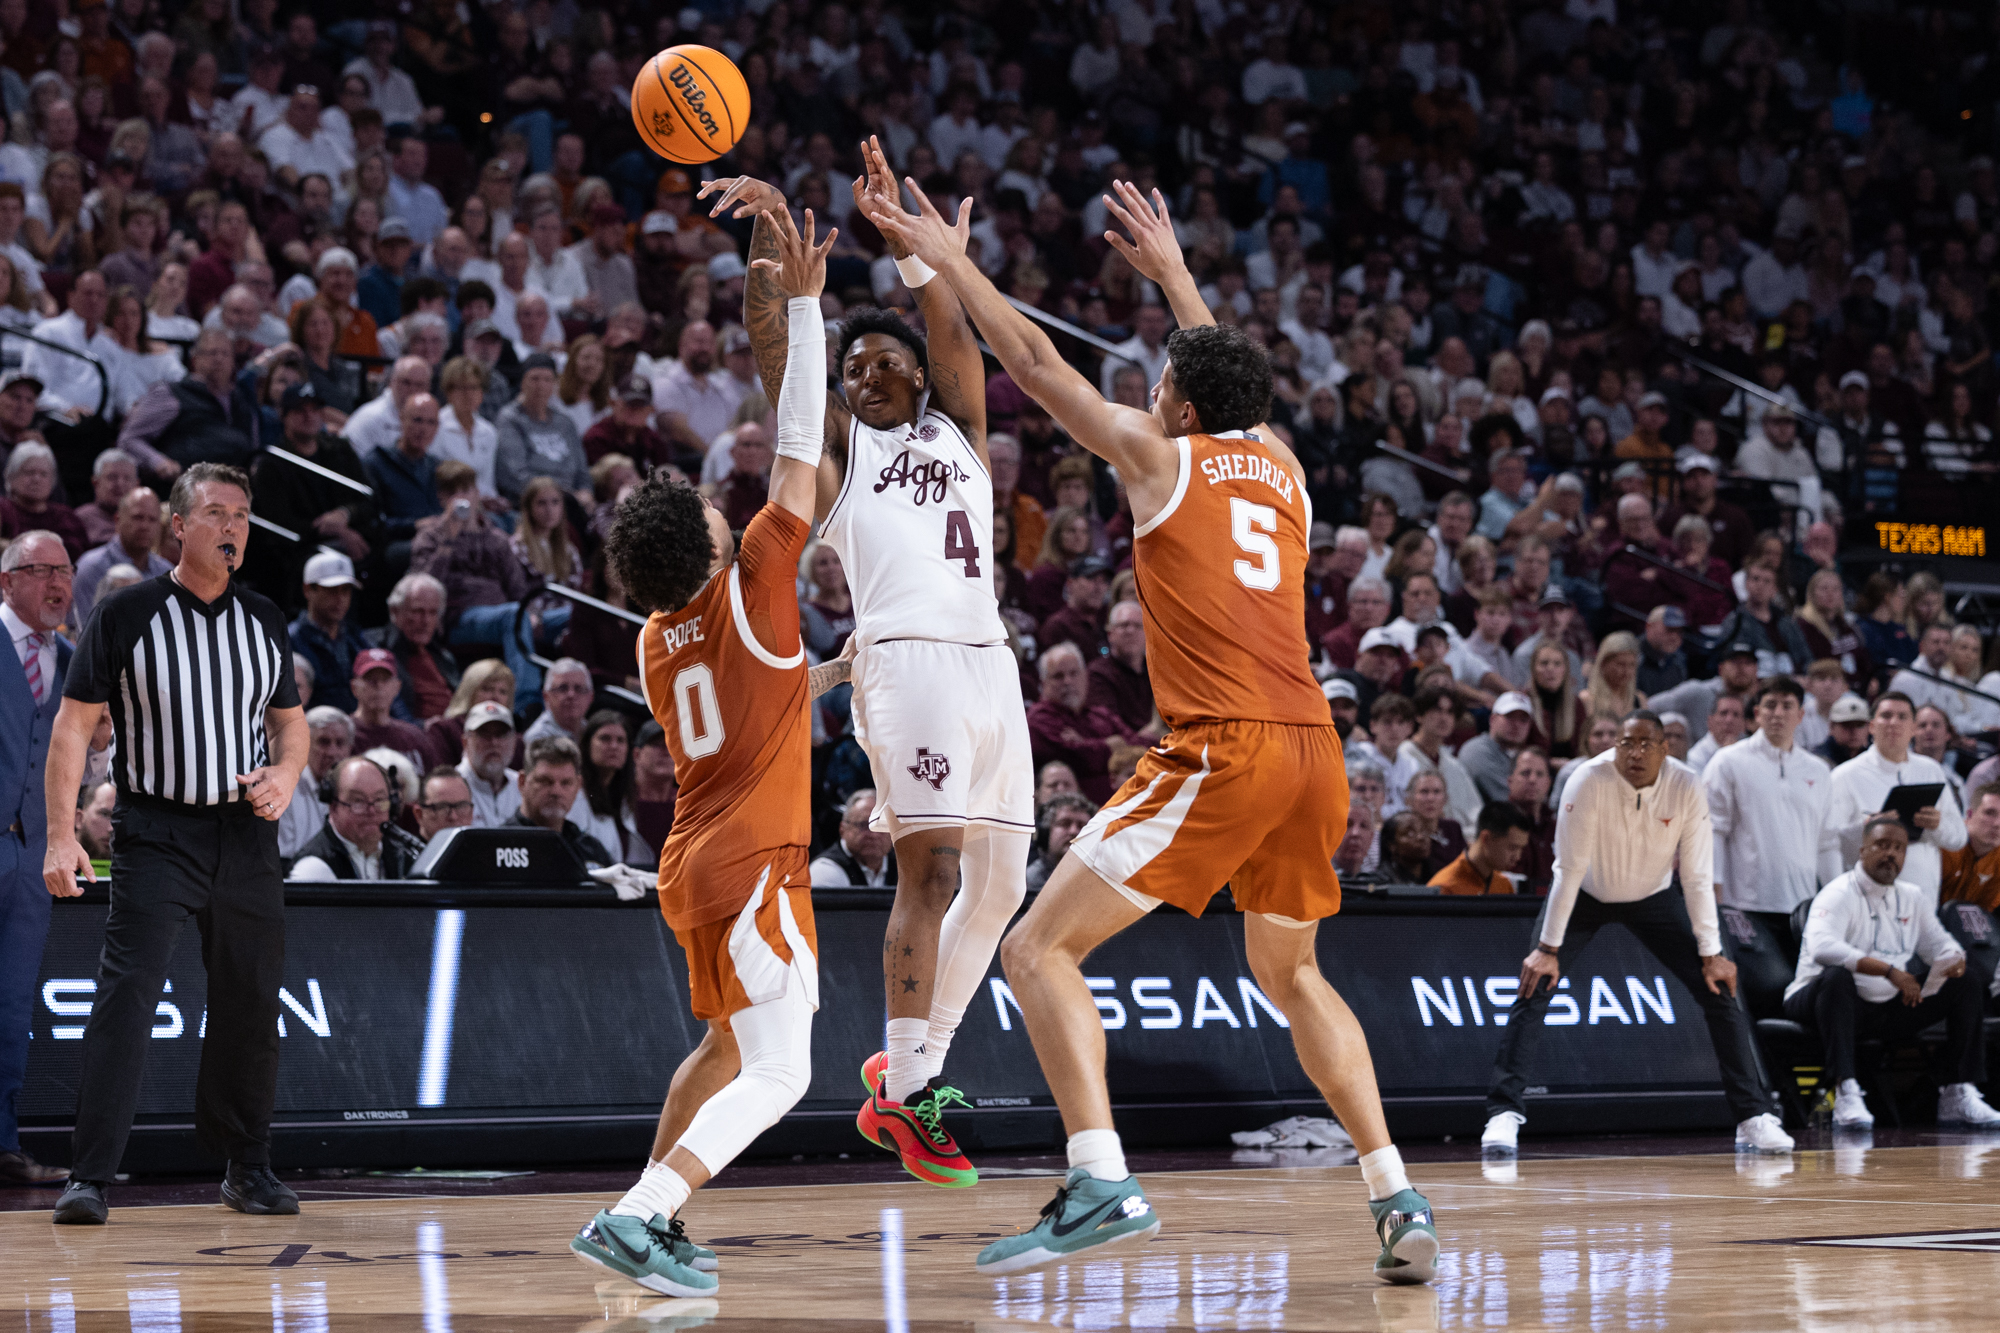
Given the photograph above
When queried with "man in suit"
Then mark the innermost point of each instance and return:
(36, 580)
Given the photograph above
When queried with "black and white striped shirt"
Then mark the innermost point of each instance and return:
(188, 684)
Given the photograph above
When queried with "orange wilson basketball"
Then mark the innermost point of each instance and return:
(690, 104)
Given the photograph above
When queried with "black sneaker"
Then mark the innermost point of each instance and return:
(82, 1204)
(251, 1188)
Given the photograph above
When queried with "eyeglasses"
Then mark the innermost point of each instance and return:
(1640, 742)
(448, 807)
(380, 803)
(566, 689)
(64, 572)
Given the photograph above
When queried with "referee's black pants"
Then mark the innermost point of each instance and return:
(171, 862)
(1831, 1006)
(1661, 924)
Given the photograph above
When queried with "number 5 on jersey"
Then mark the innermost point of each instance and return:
(695, 702)
(1250, 524)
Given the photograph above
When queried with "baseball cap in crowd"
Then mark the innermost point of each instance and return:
(1780, 412)
(1513, 701)
(1296, 128)
(1340, 689)
(486, 714)
(635, 389)
(1673, 617)
(482, 328)
(1738, 649)
(330, 569)
(659, 222)
(392, 229)
(605, 213)
(338, 256)
(1379, 638)
(1553, 392)
(13, 377)
(374, 659)
(727, 265)
(539, 361)
(299, 395)
(1848, 708)
(1653, 399)
(1321, 538)
(1553, 595)
(1854, 379)
(1090, 567)
(1699, 463)
(1569, 481)
(1627, 471)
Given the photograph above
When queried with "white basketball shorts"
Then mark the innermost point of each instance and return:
(946, 734)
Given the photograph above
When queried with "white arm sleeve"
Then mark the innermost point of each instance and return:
(802, 400)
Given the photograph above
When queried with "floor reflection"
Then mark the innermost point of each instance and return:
(1204, 1290)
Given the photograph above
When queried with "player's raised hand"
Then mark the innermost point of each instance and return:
(800, 269)
(927, 235)
(1153, 249)
(875, 189)
(747, 194)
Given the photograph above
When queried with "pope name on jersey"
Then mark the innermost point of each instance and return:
(725, 675)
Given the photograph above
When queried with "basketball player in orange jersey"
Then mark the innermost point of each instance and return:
(1248, 788)
(906, 498)
(725, 675)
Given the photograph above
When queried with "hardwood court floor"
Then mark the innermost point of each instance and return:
(1665, 1242)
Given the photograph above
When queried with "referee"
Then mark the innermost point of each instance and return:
(210, 738)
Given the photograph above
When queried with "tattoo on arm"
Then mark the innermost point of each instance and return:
(826, 675)
(764, 315)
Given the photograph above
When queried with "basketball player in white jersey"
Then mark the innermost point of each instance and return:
(906, 498)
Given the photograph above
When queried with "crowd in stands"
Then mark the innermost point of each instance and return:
(1515, 265)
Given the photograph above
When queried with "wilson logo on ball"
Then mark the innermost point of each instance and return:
(690, 104)
(697, 100)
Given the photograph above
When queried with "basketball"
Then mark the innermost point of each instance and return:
(690, 104)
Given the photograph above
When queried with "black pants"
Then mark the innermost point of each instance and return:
(1831, 1006)
(1661, 923)
(168, 864)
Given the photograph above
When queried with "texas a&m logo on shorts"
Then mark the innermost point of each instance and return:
(931, 768)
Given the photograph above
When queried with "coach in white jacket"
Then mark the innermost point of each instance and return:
(1625, 816)
(1767, 802)
(1865, 931)
(1863, 783)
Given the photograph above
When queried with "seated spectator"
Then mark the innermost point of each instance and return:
(1489, 758)
(322, 633)
(1854, 984)
(113, 474)
(31, 480)
(1878, 614)
(1343, 701)
(1762, 623)
(1555, 623)
(1497, 848)
(1391, 721)
(861, 858)
(1422, 607)
(1613, 672)
(1334, 561)
(134, 544)
(405, 477)
(1052, 779)
(483, 581)
(1528, 787)
(627, 429)
(1406, 847)
(1949, 657)
(71, 388)
(94, 804)
(1425, 798)
(1056, 825)
(490, 746)
(1830, 633)
(747, 486)
(1350, 859)
(377, 422)
(566, 696)
(654, 788)
(377, 686)
(1560, 716)
(1725, 728)
(465, 432)
(1662, 658)
(549, 786)
(1972, 873)
(1425, 752)
(357, 840)
(1066, 540)
(1367, 609)
(601, 808)
(444, 801)
(1118, 680)
(1601, 736)
(1825, 684)
(1846, 731)
(332, 742)
(428, 670)
(826, 612)
(1081, 618)
(1481, 660)
(1063, 725)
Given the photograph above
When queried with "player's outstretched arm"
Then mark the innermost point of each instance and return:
(958, 372)
(1128, 439)
(798, 272)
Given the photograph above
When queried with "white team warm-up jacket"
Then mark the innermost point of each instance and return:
(1855, 918)
(1773, 845)
(1617, 843)
(1861, 785)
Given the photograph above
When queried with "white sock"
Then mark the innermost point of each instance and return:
(1848, 1085)
(939, 1031)
(1383, 1170)
(905, 1045)
(659, 1193)
(1098, 1152)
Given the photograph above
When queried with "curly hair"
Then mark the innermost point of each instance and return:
(1223, 374)
(660, 544)
(857, 324)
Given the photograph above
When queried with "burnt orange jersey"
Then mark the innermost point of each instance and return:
(726, 677)
(1221, 577)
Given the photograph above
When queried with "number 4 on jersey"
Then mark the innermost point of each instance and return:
(1244, 521)
(959, 544)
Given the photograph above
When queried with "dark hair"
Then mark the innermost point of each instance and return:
(416, 291)
(1502, 817)
(180, 500)
(1393, 706)
(652, 733)
(659, 545)
(472, 289)
(1893, 821)
(1045, 818)
(1896, 695)
(558, 750)
(1222, 374)
(424, 783)
(1784, 685)
(857, 324)
(604, 789)
(1644, 715)
(1430, 697)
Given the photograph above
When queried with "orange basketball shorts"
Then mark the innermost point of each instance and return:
(1259, 806)
(761, 952)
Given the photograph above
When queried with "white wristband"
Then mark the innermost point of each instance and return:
(802, 398)
(915, 272)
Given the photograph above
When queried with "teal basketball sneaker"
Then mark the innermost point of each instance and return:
(1409, 1238)
(1086, 1214)
(642, 1252)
